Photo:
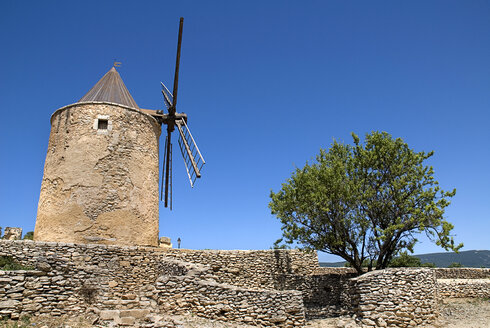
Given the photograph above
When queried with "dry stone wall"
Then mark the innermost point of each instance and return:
(463, 282)
(76, 278)
(323, 295)
(73, 278)
(265, 288)
(463, 288)
(250, 269)
(28, 292)
(462, 273)
(190, 293)
(402, 297)
(124, 267)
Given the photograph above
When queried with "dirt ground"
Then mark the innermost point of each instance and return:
(455, 313)
(468, 313)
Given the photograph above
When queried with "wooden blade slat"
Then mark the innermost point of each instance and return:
(171, 175)
(163, 169)
(167, 96)
(177, 65)
(188, 150)
(167, 165)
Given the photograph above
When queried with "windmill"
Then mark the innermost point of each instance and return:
(193, 158)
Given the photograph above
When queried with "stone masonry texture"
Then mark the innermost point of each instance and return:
(250, 269)
(462, 273)
(76, 278)
(401, 297)
(272, 288)
(463, 282)
(100, 185)
(323, 294)
(463, 288)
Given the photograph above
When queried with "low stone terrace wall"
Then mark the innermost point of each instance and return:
(75, 278)
(463, 282)
(71, 278)
(38, 292)
(189, 293)
(131, 265)
(125, 269)
(267, 288)
(462, 273)
(463, 288)
(251, 269)
(402, 297)
(16, 293)
(323, 295)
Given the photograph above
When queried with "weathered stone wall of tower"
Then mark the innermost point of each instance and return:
(100, 181)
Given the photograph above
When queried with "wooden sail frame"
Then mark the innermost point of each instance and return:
(193, 159)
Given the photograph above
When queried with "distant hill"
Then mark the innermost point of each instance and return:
(333, 264)
(469, 259)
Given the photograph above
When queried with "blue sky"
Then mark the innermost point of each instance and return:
(265, 85)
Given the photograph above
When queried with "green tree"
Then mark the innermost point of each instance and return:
(29, 235)
(364, 202)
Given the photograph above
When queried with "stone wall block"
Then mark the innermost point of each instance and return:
(404, 291)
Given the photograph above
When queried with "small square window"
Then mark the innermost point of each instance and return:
(102, 124)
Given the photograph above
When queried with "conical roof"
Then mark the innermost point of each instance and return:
(110, 88)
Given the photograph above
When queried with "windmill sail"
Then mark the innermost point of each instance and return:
(170, 178)
(167, 156)
(193, 159)
(167, 96)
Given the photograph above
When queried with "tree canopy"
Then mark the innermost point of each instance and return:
(364, 202)
(29, 235)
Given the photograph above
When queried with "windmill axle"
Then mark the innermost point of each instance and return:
(166, 118)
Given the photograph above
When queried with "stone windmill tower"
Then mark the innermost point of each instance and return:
(100, 181)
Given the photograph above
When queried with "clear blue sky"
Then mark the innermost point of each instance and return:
(265, 85)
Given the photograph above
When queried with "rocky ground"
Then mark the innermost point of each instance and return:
(455, 313)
